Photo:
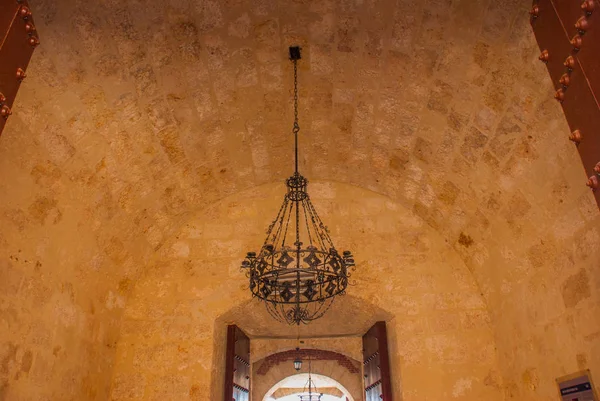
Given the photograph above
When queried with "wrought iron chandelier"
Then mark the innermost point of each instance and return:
(310, 385)
(297, 272)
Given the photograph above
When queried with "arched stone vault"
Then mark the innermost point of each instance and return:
(436, 315)
(136, 114)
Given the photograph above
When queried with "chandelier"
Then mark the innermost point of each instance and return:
(310, 385)
(297, 272)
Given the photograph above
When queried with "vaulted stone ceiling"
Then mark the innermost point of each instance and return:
(135, 115)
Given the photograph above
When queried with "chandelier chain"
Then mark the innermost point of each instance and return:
(296, 128)
(287, 223)
(279, 218)
(310, 240)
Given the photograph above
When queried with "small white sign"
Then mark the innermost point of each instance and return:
(577, 387)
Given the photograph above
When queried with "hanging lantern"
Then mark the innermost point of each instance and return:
(298, 361)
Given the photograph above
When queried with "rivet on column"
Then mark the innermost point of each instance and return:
(33, 41)
(565, 80)
(21, 75)
(2, 98)
(29, 27)
(576, 137)
(544, 56)
(534, 12)
(597, 168)
(5, 112)
(582, 25)
(24, 12)
(570, 62)
(593, 183)
(560, 95)
(588, 6)
(576, 42)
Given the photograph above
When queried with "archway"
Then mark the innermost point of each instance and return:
(335, 370)
(290, 387)
(335, 349)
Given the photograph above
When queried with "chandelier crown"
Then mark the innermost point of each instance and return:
(298, 270)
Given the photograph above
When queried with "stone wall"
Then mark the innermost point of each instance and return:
(65, 271)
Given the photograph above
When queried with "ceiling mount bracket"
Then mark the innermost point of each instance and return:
(295, 53)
